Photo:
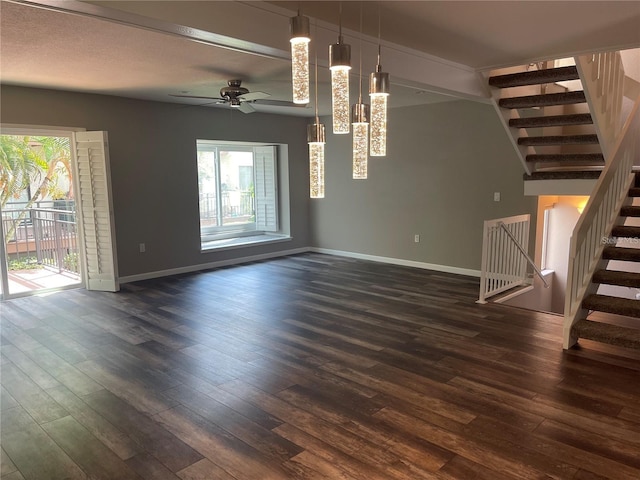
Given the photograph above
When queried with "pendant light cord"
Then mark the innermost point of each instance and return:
(360, 91)
(315, 49)
(379, 29)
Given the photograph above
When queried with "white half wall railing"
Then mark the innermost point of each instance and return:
(504, 255)
(602, 76)
(597, 220)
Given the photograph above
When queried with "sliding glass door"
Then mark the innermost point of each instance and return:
(37, 207)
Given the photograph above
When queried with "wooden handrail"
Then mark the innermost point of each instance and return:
(524, 254)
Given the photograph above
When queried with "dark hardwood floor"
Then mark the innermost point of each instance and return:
(307, 367)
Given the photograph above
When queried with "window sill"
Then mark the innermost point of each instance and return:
(240, 242)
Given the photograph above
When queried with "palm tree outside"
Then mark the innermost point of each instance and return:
(35, 184)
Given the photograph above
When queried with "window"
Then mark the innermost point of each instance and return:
(545, 239)
(238, 194)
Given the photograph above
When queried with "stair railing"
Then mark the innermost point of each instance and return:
(504, 256)
(592, 231)
(602, 76)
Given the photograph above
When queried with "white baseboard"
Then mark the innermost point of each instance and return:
(341, 253)
(206, 266)
(399, 261)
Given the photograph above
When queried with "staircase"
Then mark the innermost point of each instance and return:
(604, 331)
(568, 130)
(554, 138)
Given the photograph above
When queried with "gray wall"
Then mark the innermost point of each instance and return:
(444, 162)
(153, 166)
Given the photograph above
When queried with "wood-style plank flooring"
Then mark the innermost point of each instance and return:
(308, 367)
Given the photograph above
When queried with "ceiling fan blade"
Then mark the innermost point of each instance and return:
(253, 96)
(281, 103)
(196, 105)
(245, 107)
(194, 96)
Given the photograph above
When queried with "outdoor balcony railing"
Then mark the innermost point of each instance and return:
(237, 206)
(38, 237)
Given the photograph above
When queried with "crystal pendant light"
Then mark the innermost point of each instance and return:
(300, 38)
(316, 140)
(340, 64)
(378, 93)
(360, 114)
(360, 117)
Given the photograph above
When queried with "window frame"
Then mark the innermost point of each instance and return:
(221, 231)
(209, 235)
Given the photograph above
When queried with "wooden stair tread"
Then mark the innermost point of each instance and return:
(564, 98)
(563, 175)
(609, 304)
(630, 211)
(551, 120)
(566, 157)
(535, 77)
(607, 333)
(634, 192)
(559, 140)
(617, 277)
(621, 253)
(625, 231)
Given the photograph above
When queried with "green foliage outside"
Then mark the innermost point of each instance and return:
(25, 160)
(70, 262)
(24, 263)
(29, 160)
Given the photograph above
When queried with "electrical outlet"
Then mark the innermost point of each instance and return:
(496, 196)
(142, 248)
(416, 238)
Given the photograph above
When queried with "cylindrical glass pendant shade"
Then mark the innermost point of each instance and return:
(300, 38)
(340, 99)
(340, 65)
(316, 170)
(360, 144)
(360, 140)
(316, 140)
(378, 92)
(378, 145)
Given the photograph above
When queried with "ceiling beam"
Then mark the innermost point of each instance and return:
(156, 25)
(235, 26)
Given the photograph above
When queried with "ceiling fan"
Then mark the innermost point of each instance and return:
(236, 96)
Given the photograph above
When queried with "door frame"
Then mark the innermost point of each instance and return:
(51, 131)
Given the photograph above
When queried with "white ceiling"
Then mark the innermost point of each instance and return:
(47, 48)
(491, 34)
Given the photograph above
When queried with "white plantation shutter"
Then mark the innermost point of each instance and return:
(264, 164)
(96, 208)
